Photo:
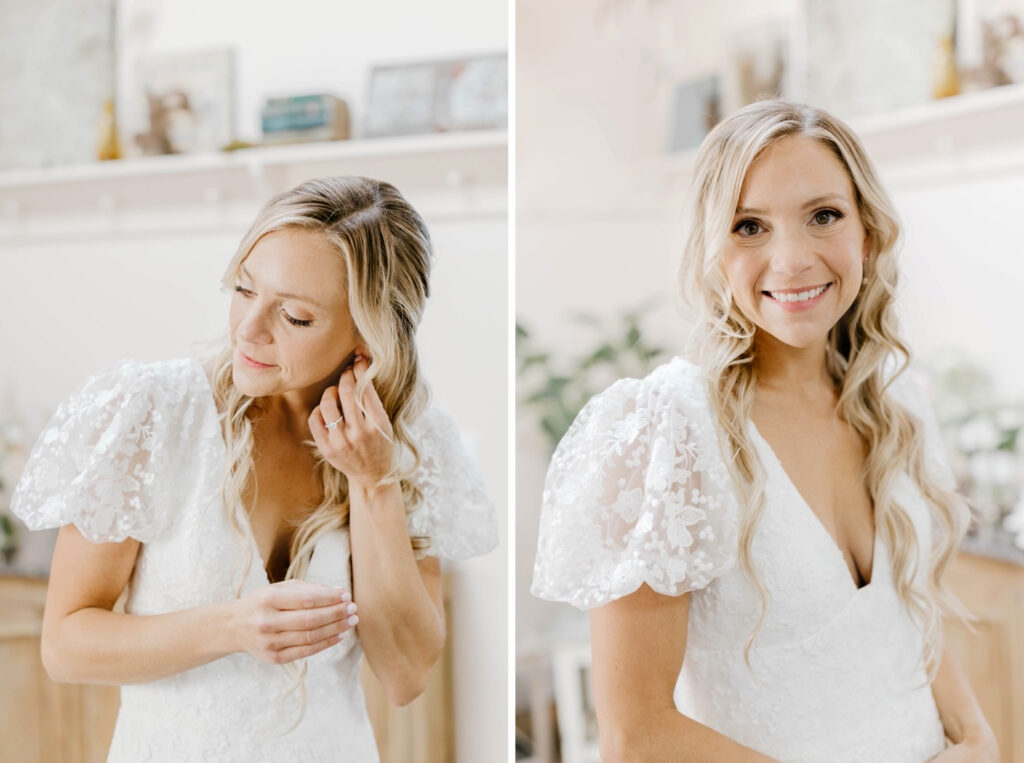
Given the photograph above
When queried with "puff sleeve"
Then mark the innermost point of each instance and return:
(637, 492)
(96, 464)
(455, 511)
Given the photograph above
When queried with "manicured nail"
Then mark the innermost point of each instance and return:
(346, 596)
(353, 620)
(352, 608)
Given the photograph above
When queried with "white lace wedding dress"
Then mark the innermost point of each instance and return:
(637, 492)
(138, 453)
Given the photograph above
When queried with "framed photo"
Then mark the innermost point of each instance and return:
(757, 63)
(439, 96)
(54, 82)
(990, 42)
(184, 103)
(696, 108)
(851, 49)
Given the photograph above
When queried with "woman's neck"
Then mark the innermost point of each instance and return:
(799, 372)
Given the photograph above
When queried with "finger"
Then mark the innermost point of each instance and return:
(303, 595)
(329, 407)
(347, 396)
(311, 619)
(317, 429)
(292, 653)
(289, 639)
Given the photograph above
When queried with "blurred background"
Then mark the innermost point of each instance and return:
(139, 139)
(613, 97)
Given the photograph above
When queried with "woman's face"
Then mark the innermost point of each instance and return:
(291, 329)
(795, 254)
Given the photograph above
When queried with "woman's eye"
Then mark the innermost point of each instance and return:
(242, 290)
(296, 321)
(826, 216)
(747, 228)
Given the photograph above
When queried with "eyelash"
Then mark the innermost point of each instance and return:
(837, 215)
(294, 321)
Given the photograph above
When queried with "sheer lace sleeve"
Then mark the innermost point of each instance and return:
(455, 512)
(637, 493)
(96, 463)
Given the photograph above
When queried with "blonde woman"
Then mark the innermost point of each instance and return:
(760, 531)
(270, 514)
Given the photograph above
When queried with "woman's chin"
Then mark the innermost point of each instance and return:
(242, 379)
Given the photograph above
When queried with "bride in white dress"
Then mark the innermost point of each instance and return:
(760, 533)
(259, 566)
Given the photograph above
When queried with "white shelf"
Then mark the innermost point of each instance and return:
(980, 132)
(257, 159)
(447, 174)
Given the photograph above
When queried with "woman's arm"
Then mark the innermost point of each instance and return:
(401, 614)
(84, 641)
(638, 643)
(961, 715)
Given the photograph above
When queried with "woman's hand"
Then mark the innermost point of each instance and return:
(358, 445)
(969, 751)
(290, 620)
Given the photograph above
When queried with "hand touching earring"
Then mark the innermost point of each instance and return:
(359, 445)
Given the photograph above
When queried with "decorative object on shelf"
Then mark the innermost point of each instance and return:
(839, 75)
(557, 388)
(56, 60)
(108, 145)
(990, 42)
(946, 80)
(188, 102)
(304, 118)
(757, 62)
(439, 96)
(696, 108)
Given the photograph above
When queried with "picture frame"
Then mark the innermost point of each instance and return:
(438, 96)
(183, 103)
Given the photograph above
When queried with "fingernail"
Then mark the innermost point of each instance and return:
(353, 620)
(352, 609)
(346, 596)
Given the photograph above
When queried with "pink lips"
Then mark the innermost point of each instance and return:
(796, 307)
(250, 362)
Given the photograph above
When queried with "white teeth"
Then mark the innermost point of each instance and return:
(802, 296)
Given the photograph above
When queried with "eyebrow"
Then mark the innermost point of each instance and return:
(811, 203)
(286, 295)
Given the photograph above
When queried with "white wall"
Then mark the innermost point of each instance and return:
(69, 306)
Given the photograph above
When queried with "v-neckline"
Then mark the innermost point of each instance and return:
(875, 544)
(246, 522)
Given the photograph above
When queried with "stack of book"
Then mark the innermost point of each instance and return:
(304, 118)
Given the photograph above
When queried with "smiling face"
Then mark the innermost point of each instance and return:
(795, 253)
(291, 329)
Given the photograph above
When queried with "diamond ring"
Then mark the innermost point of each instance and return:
(334, 424)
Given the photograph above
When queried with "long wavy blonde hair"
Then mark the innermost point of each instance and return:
(860, 350)
(386, 251)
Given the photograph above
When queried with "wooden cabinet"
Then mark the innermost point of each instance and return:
(993, 656)
(45, 722)
(40, 720)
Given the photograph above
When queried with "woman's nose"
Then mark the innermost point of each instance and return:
(253, 327)
(792, 252)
